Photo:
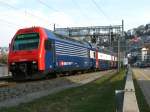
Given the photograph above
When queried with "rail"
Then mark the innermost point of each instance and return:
(7, 84)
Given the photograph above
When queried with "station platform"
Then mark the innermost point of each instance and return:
(143, 78)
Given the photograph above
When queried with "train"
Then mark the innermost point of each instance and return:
(35, 52)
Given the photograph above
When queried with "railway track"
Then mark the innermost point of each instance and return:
(6, 81)
(11, 90)
(7, 84)
(3, 84)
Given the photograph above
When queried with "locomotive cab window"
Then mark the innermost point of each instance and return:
(48, 44)
(27, 41)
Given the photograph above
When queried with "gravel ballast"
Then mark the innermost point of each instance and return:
(28, 91)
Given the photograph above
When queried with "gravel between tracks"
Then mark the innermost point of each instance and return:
(28, 91)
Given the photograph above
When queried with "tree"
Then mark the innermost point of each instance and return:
(3, 59)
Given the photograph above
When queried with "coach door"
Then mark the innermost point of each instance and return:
(96, 57)
(49, 54)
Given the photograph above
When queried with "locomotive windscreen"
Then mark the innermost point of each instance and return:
(26, 41)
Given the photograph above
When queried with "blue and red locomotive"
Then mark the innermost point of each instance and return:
(35, 51)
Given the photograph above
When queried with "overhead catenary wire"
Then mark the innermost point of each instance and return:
(12, 7)
(51, 8)
(14, 25)
(80, 10)
(8, 5)
(101, 10)
(8, 22)
(73, 1)
(54, 9)
(25, 11)
(36, 16)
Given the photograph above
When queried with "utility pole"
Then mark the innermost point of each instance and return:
(122, 33)
(54, 27)
(118, 53)
(122, 27)
(110, 38)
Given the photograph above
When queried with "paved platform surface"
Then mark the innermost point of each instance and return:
(143, 79)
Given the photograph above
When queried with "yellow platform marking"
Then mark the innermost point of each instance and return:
(144, 75)
(136, 74)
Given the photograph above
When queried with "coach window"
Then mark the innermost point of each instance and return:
(48, 44)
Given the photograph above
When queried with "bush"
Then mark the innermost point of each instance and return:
(3, 59)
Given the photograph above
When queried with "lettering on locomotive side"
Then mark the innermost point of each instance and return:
(62, 63)
(30, 35)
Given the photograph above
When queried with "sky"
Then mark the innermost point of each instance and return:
(16, 14)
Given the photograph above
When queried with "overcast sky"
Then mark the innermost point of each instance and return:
(15, 14)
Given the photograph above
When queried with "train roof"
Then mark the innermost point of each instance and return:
(59, 37)
(50, 34)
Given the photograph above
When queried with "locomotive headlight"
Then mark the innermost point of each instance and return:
(33, 62)
(13, 66)
(34, 65)
(13, 63)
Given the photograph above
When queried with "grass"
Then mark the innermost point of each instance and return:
(143, 106)
(97, 96)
